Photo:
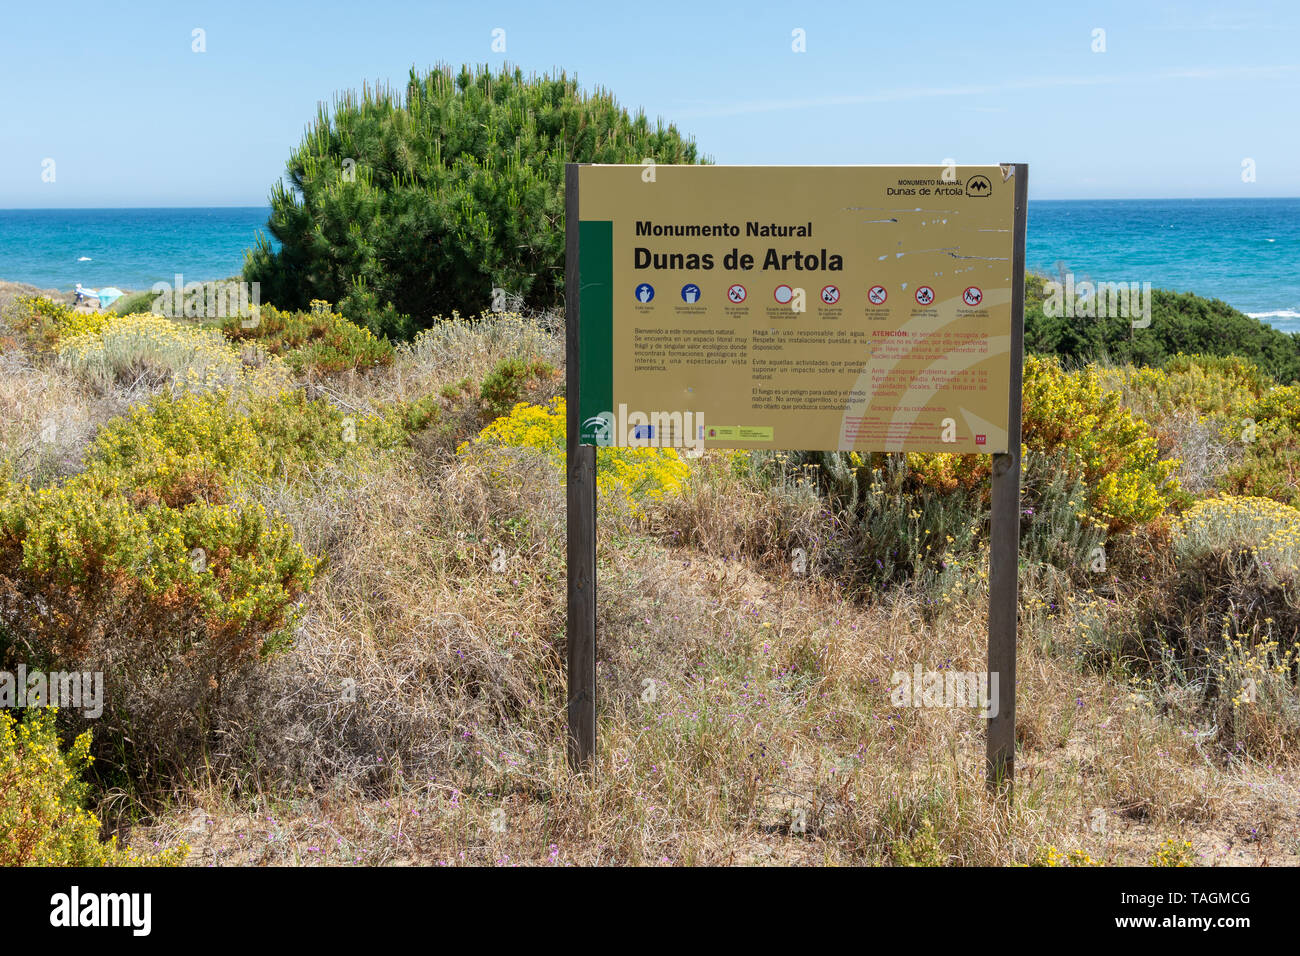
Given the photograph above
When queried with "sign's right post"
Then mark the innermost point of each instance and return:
(1004, 530)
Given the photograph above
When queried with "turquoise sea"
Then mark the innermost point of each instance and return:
(1244, 251)
(128, 248)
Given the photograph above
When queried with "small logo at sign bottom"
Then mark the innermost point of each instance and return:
(980, 439)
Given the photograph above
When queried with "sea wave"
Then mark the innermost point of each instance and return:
(1276, 314)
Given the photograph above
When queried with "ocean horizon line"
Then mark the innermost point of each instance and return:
(1078, 199)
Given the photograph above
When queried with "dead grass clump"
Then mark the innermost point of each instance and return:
(722, 510)
(48, 417)
(431, 640)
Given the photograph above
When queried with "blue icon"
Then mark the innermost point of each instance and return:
(645, 292)
(643, 432)
(690, 293)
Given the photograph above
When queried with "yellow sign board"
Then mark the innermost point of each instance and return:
(864, 308)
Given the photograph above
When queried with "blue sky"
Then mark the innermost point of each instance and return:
(1182, 95)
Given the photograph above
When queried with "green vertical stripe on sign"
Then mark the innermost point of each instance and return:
(596, 317)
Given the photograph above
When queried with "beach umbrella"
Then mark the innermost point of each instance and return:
(109, 295)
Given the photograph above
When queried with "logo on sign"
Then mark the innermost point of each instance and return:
(973, 295)
(596, 430)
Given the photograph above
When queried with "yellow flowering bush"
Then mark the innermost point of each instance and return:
(635, 476)
(42, 322)
(154, 564)
(170, 604)
(82, 323)
(129, 345)
(1116, 452)
(1073, 418)
(180, 447)
(74, 556)
(1269, 429)
(1211, 386)
(43, 820)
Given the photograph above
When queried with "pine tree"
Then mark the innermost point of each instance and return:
(402, 209)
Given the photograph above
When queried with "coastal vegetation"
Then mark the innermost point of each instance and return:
(466, 167)
(1180, 323)
(335, 578)
(317, 553)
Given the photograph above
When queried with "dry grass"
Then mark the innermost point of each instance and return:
(745, 718)
(745, 712)
(48, 416)
(769, 738)
(447, 353)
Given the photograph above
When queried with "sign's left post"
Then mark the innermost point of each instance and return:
(580, 490)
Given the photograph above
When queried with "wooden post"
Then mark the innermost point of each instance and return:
(1004, 530)
(580, 489)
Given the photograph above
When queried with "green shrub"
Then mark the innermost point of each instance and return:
(401, 207)
(43, 820)
(135, 302)
(459, 410)
(1180, 323)
(890, 529)
(1221, 387)
(172, 605)
(179, 448)
(317, 341)
(1270, 431)
(39, 322)
(509, 381)
(1089, 468)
